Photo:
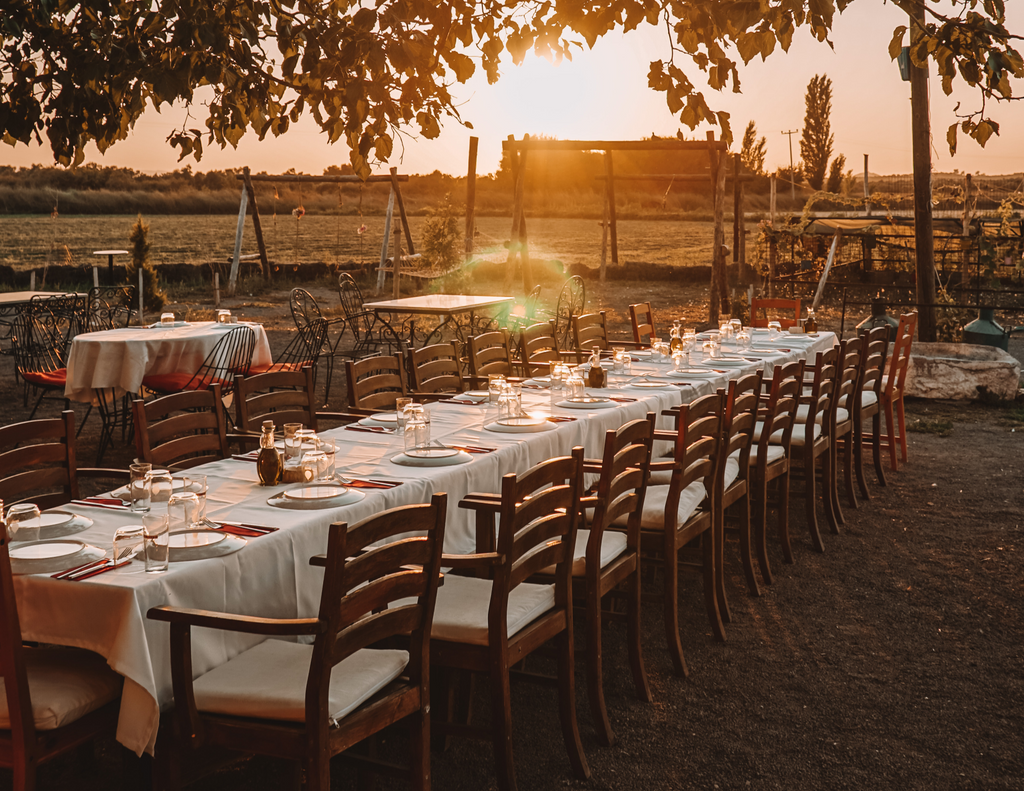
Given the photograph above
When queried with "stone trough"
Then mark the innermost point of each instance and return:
(962, 372)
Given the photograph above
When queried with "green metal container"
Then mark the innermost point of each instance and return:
(984, 331)
(879, 318)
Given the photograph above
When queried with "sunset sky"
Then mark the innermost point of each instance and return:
(603, 94)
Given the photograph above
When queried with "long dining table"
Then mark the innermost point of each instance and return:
(271, 576)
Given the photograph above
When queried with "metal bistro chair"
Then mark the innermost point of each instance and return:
(305, 349)
(571, 300)
(370, 333)
(230, 357)
(306, 311)
(43, 331)
(109, 308)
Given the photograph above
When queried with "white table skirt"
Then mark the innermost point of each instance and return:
(119, 359)
(271, 576)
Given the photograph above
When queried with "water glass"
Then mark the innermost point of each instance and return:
(743, 338)
(417, 428)
(494, 384)
(737, 325)
(132, 537)
(716, 343)
(156, 538)
(223, 316)
(329, 448)
(400, 405)
(161, 486)
(725, 332)
(680, 359)
(774, 330)
(510, 402)
(307, 441)
(618, 361)
(313, 462)
(196, 484)
(167, 319)
(574, 386)
(183, 511)
(23, 522)
(291, 446)
(707, 351)
(139, 485)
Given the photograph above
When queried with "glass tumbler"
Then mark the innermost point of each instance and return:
(307, 441)
(774, 330)
(197, 485)
(417, 429)
(127, 539)
(161, 487)
(23, 522)
(156, 541)
(494, 384)
(291, 447)
(312, 463)
(139, 490)
(401, 404)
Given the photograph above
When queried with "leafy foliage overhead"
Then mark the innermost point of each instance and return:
(83, 71)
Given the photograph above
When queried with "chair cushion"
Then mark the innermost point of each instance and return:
(776, 437)
(775, 452)
(868, 398)
(269, 681)
(732, 469)
(802, 411)
(653, 517)
(799, 434)
(613, 544)
(275, 367)
(55, 378)
(167, 383)
(65, 684)
(460, 615)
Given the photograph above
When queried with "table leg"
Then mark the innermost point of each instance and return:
(110, 416)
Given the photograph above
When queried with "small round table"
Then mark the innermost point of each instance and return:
(110, 260)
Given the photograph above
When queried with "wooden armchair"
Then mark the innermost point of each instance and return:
(540, 348)
(642, 318)
(679, 507)
(490, 353)
(769, 307)
(869, 405)
(769, 455)
(37, 462)
(374, 383)
(436, 369)
(893, 384)
(55, 698)
(182, 430)
(486, 624)
(307, 703)
(590, 330)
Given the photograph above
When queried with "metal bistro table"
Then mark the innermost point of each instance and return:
(447, 306)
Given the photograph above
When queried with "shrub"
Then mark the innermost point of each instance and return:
(153, 298)
(440, 239)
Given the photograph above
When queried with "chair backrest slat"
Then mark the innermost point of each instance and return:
(37, 460)
(489, 353)
(375, 382)
(641, 317)
(770, 308)
(436, 368)
(280, 396)
(183, 429)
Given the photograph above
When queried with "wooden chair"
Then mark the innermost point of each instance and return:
(590, 330)
(733, 478)
(437, 369)
(374, 383)
(182, 430)
(847, 393)
(679, 508)
(539, 348)
(642, 318)
(490, 353)
(486, 624)
(812, 440)
(303, 350)
(770, 464)
(769, 307)
(280, 396)
(37, 461)
(55, 698)
(869, 405)
(307, 703)
(605, 559)
(232, 355)
(893, 384)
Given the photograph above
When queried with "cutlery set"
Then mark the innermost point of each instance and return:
(95, 567)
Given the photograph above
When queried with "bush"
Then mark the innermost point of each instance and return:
(440, 239)
(153, 299)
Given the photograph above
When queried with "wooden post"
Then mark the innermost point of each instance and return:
(216, 289)
(401, 211)
(387, 240)
(396, 263)
(609, 172)
(471, 196)
(924, 239)
(242, 205)
(257, 225)
(524, 255)
(95, 277)
(604, 238)
(867, 189)
(32, 280)
(965, 243)
(142, 300)
(719, 276)
(518, 163)
(772, 200)
(828, 266)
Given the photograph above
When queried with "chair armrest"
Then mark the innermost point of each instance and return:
(244, 440)
(476, 560)
(481, 501)
(247, 624)
(666, 436)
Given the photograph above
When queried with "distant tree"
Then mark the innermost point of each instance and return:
(816, 138)
(787, 175)
(753, 150)
(441, 240)
(835, 174)
(153, 299)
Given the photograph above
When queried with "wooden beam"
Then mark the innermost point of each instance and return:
(257, 225)
(719, 274)
(243, 202)
(401, 211)
(678, 177)
(613, 224)
(471, 195)
(924, 238)
(386, 242)
(518, 176)
(292, 178)
(668, 144)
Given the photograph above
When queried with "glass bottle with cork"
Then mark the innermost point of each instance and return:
(596, 377)
(675, 341)
(810, 323)
(268, 462)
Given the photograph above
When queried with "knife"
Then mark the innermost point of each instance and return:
(101, 570)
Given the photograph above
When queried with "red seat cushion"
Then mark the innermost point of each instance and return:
(168, 383)
(275, 367)
(55, 378)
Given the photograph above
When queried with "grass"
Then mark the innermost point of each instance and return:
(938, 426)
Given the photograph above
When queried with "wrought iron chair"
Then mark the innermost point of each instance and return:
(108, 308)
(308, 702)
(304, 350)
(42, 335)
(571, 300)
(182, 430)
(306, 311)
(231, 356)
(371, 334)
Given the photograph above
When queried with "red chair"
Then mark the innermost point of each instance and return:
(765, 305)
(231, 356)
(893, 384)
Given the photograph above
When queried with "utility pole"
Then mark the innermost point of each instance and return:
(792, 174)
(924, 239)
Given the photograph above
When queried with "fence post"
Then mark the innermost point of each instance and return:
(216, 289)
(142, 300)
(95, 277)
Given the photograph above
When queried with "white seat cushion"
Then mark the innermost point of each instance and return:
(653, 517)
(65, 684)
(460, 615)
(868, 398)
(613, 544)
(775, 452)
(799, 434)
(269, 681)
(775, 438)
(732, 468)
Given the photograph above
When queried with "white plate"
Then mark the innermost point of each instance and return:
(386, 419)
(474, 395)
(48, 557)
(644, 384)
(202, 544)
(686, 373)
(325, 491)
(432, 453)
(591, 402)
(520, 425)
(642, 352)
(56, 524)
(345, 497)
(405, 460)
(728, 363)
(174, 325)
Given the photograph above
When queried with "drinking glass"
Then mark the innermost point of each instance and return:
(166, 318)
(197, 485)
(128, 538)
(400, 405)
(725, 332)
(417, 428)
(707, 351)
(743, 338)
(494, 383)
(183, 511)
(329, 448)
(23, 522)
(312, 463)
(156, 542)
(223, 316)
(679, 360)
(774, 330)
(737, 325)
(291, 447)
(161, 486)
(575, 388)
(139, 490)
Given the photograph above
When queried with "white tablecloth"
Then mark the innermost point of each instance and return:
(119, 359)
(271, 576)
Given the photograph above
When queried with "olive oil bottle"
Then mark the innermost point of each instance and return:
(268, 462)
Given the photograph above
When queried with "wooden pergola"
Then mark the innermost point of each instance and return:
(717, 160)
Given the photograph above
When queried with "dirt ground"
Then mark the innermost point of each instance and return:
(893, 660)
